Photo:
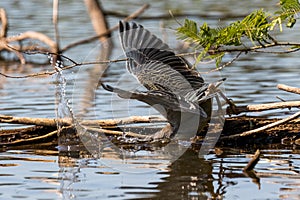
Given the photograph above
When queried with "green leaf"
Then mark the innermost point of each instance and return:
(255, 27)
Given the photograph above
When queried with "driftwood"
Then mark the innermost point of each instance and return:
(51, 122)
(6, 42)
(249, 168)
(263, 107)
(233, 126)
(97, 18)
(91, 39)
(236, 130)
(288, 88)
(266, 127)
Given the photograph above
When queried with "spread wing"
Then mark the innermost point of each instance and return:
(154, 64)
(169, 101)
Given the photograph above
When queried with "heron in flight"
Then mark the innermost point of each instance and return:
(174, 87)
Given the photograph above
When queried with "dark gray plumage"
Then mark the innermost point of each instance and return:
(171, 81)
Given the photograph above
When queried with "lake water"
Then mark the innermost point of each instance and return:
(48, 172)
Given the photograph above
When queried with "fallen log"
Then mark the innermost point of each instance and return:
(111, 127)
(236, 131)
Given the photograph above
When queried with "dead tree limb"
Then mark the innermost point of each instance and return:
(90, 39)
(56, 58)
(29, 35)
(33, 139)
(262, 107)
(127, 127)
(98, 19)
(67, 122)
(55, 23)
(288, 88)
(251, 132)
(51, 122)
(5, 42)
(116, 133)
(4, 22)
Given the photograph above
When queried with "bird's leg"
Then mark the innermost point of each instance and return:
(230, 102)
(213, 89)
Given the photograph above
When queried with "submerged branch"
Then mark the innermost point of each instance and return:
(251, 164)
(116, 133)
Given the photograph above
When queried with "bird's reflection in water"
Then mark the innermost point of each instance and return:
(189, 177)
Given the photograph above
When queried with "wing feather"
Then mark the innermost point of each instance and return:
(154, 64)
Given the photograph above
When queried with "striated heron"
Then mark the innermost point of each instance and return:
(174, 87)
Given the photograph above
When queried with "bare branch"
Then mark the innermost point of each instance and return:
(34, 35)
(34, 139)
(262, 107)
(178, 15)
(116, 133)
(224, 65)
(98, 20)
(75, 64)
(55, 23)
(4, 23)
(90, 39)
(251, 132)
(52, 122)
(288, 88)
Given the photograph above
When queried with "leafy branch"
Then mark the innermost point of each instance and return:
(255, 27)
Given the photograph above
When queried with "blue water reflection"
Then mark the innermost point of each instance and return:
(39, 173)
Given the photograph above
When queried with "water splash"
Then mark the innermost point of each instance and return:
(80, 138)
(62, 107)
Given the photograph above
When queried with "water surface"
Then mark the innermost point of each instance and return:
(45, 172)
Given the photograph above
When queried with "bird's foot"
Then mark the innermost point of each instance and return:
(164, 134)
(232, 108)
